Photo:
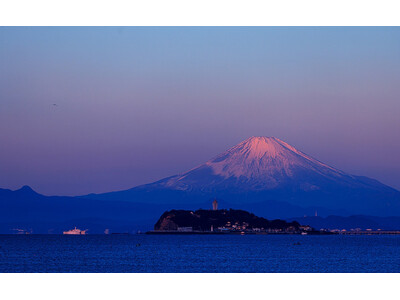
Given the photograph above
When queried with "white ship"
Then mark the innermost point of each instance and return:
(75, 231)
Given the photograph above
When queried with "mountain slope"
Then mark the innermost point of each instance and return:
(263, 172)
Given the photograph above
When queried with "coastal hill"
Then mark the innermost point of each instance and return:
(222, 220)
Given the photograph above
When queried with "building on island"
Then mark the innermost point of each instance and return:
(215, 204)
(185, 229)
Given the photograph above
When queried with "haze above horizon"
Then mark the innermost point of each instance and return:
(87, 110)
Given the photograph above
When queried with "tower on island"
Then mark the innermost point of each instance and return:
(215, 204)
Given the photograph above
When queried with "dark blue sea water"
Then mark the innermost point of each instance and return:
(199, 253)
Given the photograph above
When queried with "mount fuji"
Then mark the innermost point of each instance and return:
(271, 177)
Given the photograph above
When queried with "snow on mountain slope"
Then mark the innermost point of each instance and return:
(263, 157)
(258, 163)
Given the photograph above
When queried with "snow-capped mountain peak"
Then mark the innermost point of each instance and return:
(256, 163)
(263, 156)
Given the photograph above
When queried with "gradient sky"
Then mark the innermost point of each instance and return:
(134, 105)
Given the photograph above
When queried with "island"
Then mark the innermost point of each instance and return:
(224, 221)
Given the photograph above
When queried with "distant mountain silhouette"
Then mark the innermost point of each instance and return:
(269, 175)
(25, 209)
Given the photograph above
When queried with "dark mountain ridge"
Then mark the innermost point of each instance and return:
(26, 209)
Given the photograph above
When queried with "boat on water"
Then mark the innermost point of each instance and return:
(75, 231)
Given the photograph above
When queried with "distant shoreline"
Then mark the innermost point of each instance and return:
(175, 232)
(155, 232)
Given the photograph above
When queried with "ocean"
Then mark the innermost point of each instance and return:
(199, 253)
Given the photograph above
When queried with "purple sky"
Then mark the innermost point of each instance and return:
(134, 105)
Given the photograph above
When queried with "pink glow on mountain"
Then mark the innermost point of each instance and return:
(264, 156)
(260, 162)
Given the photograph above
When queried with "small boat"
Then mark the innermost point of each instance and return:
(304, 233)
(75, 231)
